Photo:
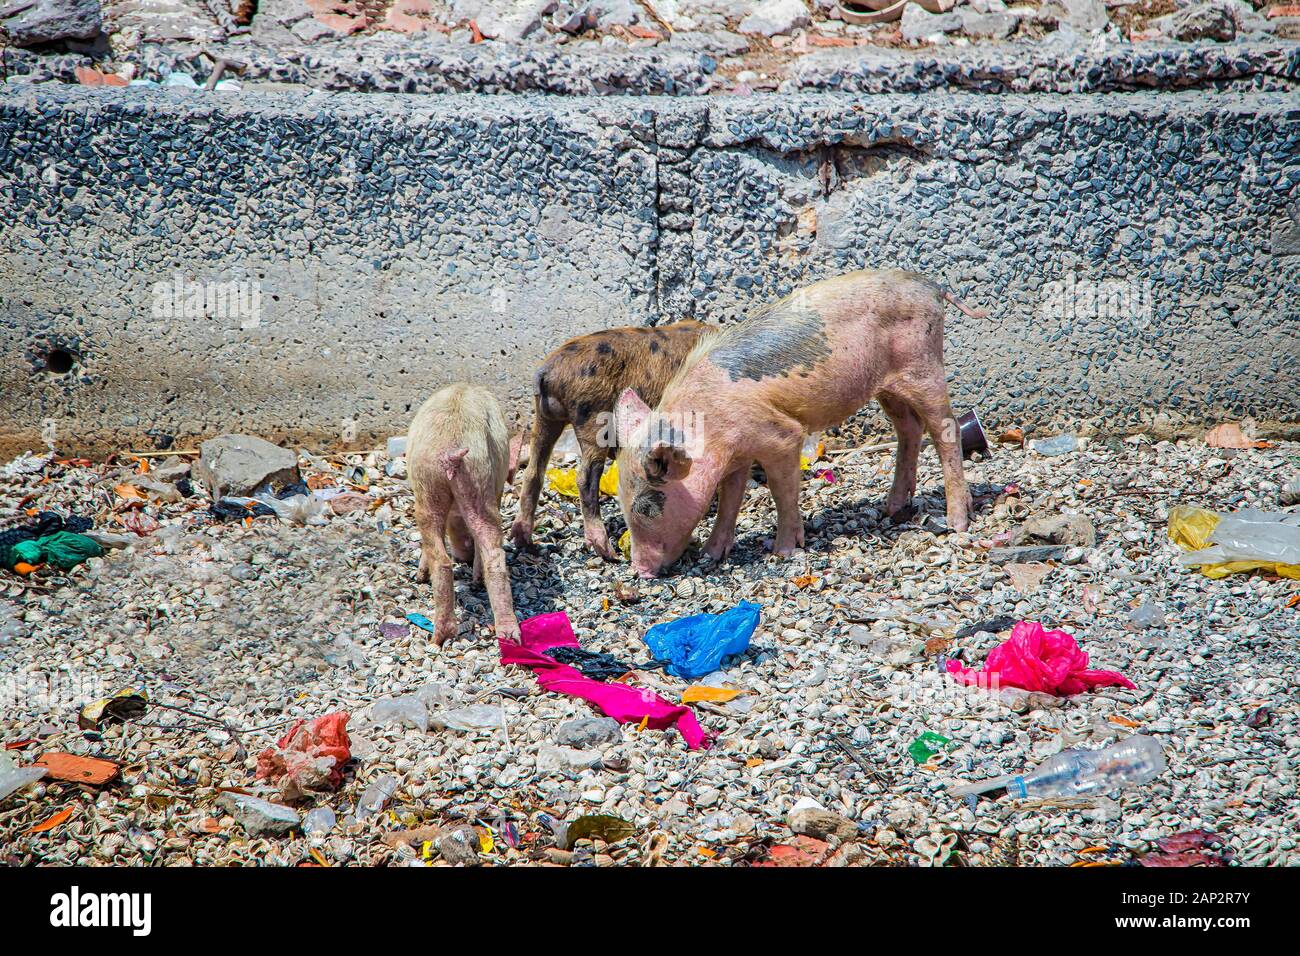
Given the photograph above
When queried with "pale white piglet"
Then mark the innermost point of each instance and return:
(460, 457)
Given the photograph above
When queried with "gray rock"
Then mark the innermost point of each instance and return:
(773, 17)
(310, 30)
(243, 464)
(1027, 554)
(1069, 530)
(1083, 16)
(612, 13)
(588, 732)
(259, 817)
(998, 26)
(31, 22)
(459, 846)
(918, 25)
(512, 20)
(821, 824)
(565, 760)
(1205, 21)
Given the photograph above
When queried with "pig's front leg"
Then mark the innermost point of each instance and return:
(546, 432)
(783, 480)
(731, 493)
(590, 468)
(485, 525)
(908, 427)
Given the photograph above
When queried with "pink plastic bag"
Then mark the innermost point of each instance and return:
(625, 704)
(1050, 662)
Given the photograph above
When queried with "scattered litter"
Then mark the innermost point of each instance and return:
(51, 822)
(697, 693)
(1080, 773)
(130, 703)
(63, 549)
(1146, 615)
(1246, 540)
(1034, 659)
(319, 821)
(1190, 848)
(1231, 435)
(376, 796)
(929, 745)
(13, 777)
(74, 769)
(473, 719)
(696, 645)
(309, 757)
(625, 704)
(1054, 447)
(592, 664)
(595, 826)
(564, 481)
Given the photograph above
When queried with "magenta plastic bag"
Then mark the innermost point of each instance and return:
(625, 704)
(1050, 662)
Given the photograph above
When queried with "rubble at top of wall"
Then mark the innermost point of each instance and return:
(663, 47)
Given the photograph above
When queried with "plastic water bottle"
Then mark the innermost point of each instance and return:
(1080, 773)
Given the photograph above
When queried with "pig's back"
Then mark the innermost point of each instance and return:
(585, 376)
(817, 355)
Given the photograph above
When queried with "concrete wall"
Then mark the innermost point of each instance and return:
(402, 242)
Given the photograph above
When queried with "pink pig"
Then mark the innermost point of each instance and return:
(460, 458)
(753, 390)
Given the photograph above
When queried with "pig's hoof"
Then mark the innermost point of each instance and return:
(602, 548)
(444, 632)
(422, 576)
(902, 514)
(717, 552)
(521, 533)
(509, 632)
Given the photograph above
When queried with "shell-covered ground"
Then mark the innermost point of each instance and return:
(250, 625)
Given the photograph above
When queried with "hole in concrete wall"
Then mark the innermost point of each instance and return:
(59, 361)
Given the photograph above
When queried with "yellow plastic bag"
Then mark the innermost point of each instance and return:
(1190, 528)
(625, 544)
(564, 481)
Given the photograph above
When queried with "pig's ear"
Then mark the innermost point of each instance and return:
(631, 411)
(666, 462)
(516, 449)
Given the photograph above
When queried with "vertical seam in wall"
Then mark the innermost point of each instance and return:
(655, 298)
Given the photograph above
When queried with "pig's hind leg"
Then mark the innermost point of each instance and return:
(435, 567)
(929, 397)
(484, 522)
(546, 432)
(907, 425)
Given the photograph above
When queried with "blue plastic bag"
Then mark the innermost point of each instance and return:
(695, 645)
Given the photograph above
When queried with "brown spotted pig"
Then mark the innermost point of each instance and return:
(458, 456)
(752, 391)
(578, 384)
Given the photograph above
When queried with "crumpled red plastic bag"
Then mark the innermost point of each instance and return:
(295, 760)
(1049, 662)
